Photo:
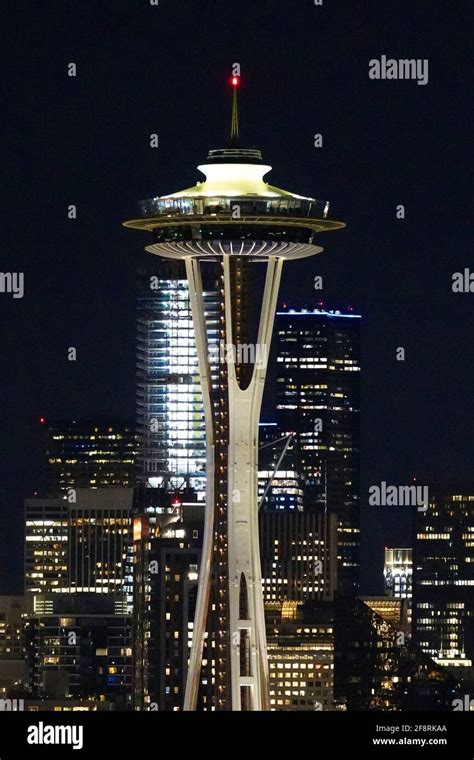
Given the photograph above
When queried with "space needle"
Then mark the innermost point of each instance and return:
(233, 219)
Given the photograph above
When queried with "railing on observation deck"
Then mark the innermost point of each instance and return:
(195, 206)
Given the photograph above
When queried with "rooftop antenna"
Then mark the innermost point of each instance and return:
(234, 124)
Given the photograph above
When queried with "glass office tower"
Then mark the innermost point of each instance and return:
(169, 411)
(318, 387)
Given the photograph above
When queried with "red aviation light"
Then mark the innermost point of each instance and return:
(42, 420)
(235, 81)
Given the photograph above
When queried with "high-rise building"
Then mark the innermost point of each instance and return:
(443, 579)
(80, 546)
(298, 545)
(79, 647)
(46, 545)
(90, 453)
(300, 655)
(99, 542)
(318, 396)
(398, 572)
(167, 531)
(298, 550)
(298, 553)
(170, 412)
(232, 219)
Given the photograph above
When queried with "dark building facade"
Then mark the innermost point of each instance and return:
(78, 647)
(443, 578)
(298, 555)
(12, 646)
(89, 453)
(318, 397)
(167, 532)
(11, 635)
(378, 668)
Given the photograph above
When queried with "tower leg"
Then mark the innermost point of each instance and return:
(204, 584)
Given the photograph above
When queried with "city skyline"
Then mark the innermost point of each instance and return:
(229, 485)
(397, 273)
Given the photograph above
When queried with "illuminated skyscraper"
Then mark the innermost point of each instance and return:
(170, 413)
(80, 546)
(318, 381)
(233, 219)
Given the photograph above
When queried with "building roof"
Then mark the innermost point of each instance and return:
(234, 180)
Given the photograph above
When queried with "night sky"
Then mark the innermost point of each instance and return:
(144, 69)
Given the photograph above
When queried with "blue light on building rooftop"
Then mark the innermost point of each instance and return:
(318, 313)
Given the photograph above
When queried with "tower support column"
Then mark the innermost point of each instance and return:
(196, 298)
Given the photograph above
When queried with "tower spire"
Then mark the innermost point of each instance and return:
(234, 125)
